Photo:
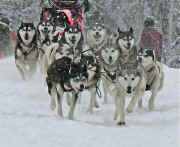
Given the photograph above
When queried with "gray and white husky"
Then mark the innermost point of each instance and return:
(26, 51)
(130, 81)
(154, 74)
(109, 58)
(97, 36)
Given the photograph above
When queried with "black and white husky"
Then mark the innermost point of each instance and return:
(154, 74)
(74, 37)
(70, 45)
(94, 73)
(66, 76)
(46, 42)
(26, 51)
(127, 45)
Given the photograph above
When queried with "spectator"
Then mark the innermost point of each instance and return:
(151, 38)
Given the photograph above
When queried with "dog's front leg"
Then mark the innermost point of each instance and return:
(53, 94)
(154, 91)
(133, 101)
(121, 110)
(60, 93)
(73, 104)
(105, 87)
(93, 100)
(151, 100)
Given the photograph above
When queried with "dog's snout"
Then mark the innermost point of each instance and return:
(129, 89)
(26, 36)
(97, 33)
(81, 87)
(110, 59)
(129, 45)
(46, 29)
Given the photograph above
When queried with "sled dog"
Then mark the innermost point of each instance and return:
(63, 75)
(154, 74)
(26, 52)
(109, 59)
(130, 81)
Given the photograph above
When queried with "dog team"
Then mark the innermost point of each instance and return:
(77, 60)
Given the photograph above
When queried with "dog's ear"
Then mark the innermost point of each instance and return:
(140, 50)
(131, 30)
(119, 30)
(21, 24)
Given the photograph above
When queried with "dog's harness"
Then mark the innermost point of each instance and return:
(30, 49)
(149, 86)
(111, 75)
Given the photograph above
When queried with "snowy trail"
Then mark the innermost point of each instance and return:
(27, 121)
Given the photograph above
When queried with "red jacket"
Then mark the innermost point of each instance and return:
(152, 39)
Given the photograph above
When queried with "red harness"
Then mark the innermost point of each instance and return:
(148, 87)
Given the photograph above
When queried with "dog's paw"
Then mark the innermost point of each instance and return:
(90, 110)
(53, 105)
(115, 117)
(151, 107)
(128, 110)
(70, 117)
(96, 105)
(121, 123)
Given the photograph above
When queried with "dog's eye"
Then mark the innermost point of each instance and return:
(125, 78)
(83, 79)
(76, 79)
(133, 79)
(113, 50)
(94, 29)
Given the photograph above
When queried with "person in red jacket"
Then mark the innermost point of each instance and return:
(151, 38)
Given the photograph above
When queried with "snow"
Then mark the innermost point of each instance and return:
(27, 121)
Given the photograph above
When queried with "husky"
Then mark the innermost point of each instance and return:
(46, 42)
(126, 42)
(94, 73)
(26, 51)
(130, 82)
(74, 37)
(97, 36)
(154, 74)
(63, 75)
(109, 59)
(46, 33)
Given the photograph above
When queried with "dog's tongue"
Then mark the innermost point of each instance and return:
(66, 87)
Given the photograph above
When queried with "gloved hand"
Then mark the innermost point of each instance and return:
(158, 58)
